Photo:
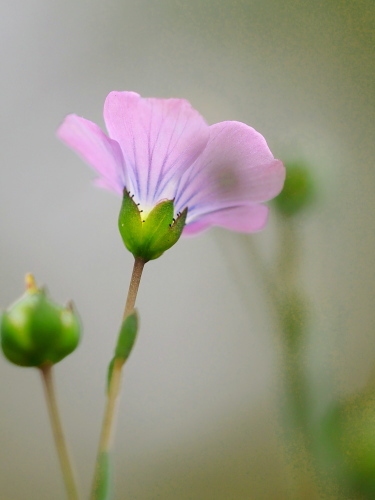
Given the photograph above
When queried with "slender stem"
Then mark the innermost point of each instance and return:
(287, 301)
(62, 450)
(107, 432)
(134, 285)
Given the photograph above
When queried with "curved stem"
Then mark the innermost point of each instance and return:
(62, 450)
(107, 432)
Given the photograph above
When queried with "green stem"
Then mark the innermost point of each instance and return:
(291, 311)
(62, 450)
(107, 431)
(284, 294)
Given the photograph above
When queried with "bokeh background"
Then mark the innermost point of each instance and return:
(202, 405)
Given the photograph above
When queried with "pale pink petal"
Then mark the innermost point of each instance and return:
(108, 184)
(236, 167)
(96, 148)
(197, 227)
(243, 219)
(159, 138)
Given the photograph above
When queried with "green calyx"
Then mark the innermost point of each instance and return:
(35, 331)
(149, 237)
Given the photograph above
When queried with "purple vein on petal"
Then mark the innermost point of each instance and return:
(134, 148)
(155, 143)
(150, 150)
(168, 153)
(191, 176)
(163, 175)
(166, 178)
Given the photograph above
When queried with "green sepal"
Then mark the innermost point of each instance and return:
(150, 237)
(163, 240)
(36, 331)
(129, 222)
(127, 336)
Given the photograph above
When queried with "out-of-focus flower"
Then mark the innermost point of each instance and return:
(162, 149)
(299, 189)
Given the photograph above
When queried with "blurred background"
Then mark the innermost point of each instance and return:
(218, 402)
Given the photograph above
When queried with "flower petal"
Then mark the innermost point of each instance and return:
(159, 138)
(108, 184)
(243, 218)
(96, 148)
(236, 167)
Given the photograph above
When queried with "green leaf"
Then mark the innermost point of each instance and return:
(127, 336)
(125, 343)
(110, 372)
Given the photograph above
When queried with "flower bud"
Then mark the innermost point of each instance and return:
(149, 236)
(35, 331)
(298, 191)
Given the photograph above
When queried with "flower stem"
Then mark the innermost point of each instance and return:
(107, 432)
(62, 450)
(139, 264)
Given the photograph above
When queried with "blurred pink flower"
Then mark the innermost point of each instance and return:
(163, 149)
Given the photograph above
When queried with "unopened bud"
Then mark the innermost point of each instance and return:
(298, 191)
(36, 331)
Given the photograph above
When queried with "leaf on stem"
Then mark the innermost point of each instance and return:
(125, 343)
(127, 336)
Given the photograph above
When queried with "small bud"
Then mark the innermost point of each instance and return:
(35, 331)
(298, 191)
(149, 236)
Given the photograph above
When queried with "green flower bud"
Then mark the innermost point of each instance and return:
(148, 236)
(35, 331)
(298, 191)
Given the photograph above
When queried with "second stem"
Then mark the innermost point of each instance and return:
(107, 432)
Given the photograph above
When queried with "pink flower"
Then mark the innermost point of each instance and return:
(163, 149)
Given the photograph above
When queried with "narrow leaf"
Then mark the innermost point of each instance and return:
(127, 336)
(109, 373)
